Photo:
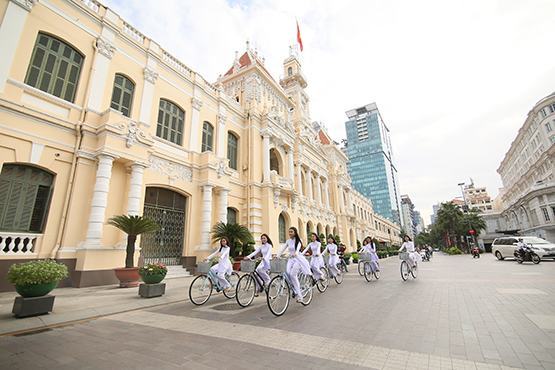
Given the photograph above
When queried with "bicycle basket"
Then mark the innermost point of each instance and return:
(278, 265)
(203, 267)
(248, 266)
(404, 256)
(364, 257)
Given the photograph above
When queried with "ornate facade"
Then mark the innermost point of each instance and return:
(98, 120)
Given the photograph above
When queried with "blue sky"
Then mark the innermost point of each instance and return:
(454, 80)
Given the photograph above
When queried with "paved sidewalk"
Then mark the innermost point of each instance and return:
(75, 304)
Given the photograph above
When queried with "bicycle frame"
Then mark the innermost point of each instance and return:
(213, 278)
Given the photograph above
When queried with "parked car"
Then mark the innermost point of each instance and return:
(505, 247)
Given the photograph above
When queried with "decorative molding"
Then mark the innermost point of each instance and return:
(104, 47)
(266, 132)
(150, 75)
(173, 170)
(132, 130)
(221, 119)
(25, 4)
(197, 103)
(276, 196)
(222, 168)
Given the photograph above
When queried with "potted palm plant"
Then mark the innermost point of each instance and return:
(238, 236)
(133, 226)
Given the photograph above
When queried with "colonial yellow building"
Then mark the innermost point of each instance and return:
(98, 120)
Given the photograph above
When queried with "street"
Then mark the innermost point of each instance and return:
(459, 313)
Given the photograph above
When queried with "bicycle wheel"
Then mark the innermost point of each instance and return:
(322, 285)
(306, 289)
(278, 295)
(361, 268)
(404, 270)
(414, 271)
(339, 277)
(367, 271)
(245, 291)
(342, 266)
(233, 280)
(200, 290)
(377, 274)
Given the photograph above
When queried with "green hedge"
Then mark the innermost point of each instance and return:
(453, 251)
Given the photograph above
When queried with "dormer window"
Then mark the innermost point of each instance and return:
(290, 71)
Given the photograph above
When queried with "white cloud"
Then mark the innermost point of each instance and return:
(454, 80)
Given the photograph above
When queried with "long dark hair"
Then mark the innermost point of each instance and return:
(297, 238)
(268, 239)
(332, 238)
(406, 236)
(227, 242)
(367, 240)
(317, 237)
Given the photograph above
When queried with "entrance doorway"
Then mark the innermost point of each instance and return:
(167, 209)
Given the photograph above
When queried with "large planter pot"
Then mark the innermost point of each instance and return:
(153, 279)
(35, 290)
(128, 277)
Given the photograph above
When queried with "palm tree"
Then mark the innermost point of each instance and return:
(132, 226)
(233, 232)
(448, 220)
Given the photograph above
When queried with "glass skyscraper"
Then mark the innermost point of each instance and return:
(371, 166)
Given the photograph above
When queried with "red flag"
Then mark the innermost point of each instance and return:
(299, 40)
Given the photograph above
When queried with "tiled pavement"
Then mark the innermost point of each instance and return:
(459, 313)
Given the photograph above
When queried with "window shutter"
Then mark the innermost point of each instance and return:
(4, 196)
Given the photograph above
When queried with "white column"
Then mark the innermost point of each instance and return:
(299, 178)
(309, 184)
(99, 76)
(222, 206)
(135, 189)
(291, 165)
(196, 129)
(150, 77)
(206, 220)
(341, 200)
(11, 29)
(319, 190)
(220, 149)
(327, 193)
(99, 201)
(265, 156)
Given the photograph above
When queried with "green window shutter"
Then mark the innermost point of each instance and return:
(54, 67)
(4, 196)
(122, 95)
(170, 122)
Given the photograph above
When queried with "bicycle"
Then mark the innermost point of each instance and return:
(339, 277)
(202, 286)
(248, 284)
(406, 267)
(369, 267)
(323, 283)
(280, 289)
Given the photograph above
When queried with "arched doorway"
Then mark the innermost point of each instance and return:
(328, 230)
(275, 162)
(167, 208)
(282, 228)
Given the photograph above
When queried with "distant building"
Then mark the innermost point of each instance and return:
(435, 209)
(478, 197)
(420, 225)
(409, 216)
(371, 164)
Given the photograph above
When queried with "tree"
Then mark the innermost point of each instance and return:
(448, 220)
(423, 238)
(235, 233)
(132, 226)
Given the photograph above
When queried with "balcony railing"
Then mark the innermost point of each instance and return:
(19, 244)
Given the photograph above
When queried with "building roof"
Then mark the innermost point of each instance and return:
(324, 138)
(247, 59)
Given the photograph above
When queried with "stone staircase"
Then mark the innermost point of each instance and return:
(177, 272)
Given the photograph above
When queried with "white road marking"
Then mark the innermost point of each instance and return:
(522, 291)
(546, 322)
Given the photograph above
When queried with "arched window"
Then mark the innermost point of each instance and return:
(232, 150)
(231, 215)
(289, 71)
(54, 68)
(170, 122)
(274, 161)
(207, 137)
(122, 94)
(25, 193)
(282, 228)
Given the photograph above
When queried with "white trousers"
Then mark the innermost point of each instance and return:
(332, 265)
(293, 269)
(220, 275)
(263, 272)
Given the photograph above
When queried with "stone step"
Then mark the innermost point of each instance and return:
(177, 272)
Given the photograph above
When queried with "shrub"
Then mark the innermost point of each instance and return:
(347, 258)
(453, 251)
(354, 256)
(37, 272)
(153, 269)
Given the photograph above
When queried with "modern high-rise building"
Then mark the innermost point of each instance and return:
(371, 165)
(408, 215)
